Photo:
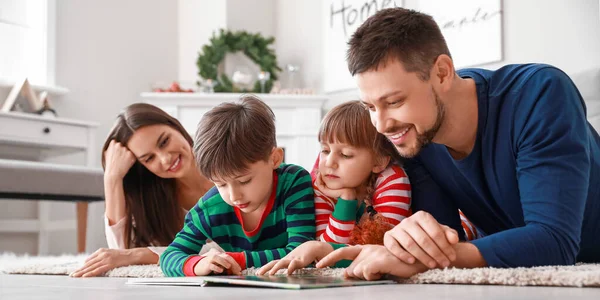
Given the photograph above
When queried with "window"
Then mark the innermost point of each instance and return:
(27, 39)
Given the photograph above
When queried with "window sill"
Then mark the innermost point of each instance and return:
(51, 89)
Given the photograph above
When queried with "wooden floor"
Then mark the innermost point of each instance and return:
(26, 287)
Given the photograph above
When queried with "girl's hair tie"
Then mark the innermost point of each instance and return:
(371, 210)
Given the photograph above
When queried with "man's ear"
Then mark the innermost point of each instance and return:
(443, 72)
(276, 157)
(381, 162)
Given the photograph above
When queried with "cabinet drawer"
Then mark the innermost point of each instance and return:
(42, 132)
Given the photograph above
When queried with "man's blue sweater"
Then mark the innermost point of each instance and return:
(532, 181)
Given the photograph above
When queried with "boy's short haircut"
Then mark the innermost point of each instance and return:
(233, 135)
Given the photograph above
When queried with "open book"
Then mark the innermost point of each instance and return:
(295, 282)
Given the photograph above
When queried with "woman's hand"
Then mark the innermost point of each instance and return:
(118, 160)
(344, 194)
(217, 262)
(305, 254)
(104, 260)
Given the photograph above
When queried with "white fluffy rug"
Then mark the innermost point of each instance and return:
(583, 275)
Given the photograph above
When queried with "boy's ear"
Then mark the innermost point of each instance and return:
(381, 163)
(276, 157)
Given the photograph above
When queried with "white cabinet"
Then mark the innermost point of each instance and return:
(297, 118)
(34, 138)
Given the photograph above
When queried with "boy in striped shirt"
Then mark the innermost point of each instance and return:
(259, 209)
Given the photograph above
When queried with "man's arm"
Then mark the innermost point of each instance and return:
(553, 169)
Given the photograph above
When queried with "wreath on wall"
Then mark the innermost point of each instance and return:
(254, 46)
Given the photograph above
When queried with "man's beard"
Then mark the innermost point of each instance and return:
(427, 137)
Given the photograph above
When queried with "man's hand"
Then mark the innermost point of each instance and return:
(370, 262)
(299, 258)
(422, 238)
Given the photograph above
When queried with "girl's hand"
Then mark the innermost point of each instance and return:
(104, 260)
(345, 194)
(118, 160)
(217, 262)
(305, 254)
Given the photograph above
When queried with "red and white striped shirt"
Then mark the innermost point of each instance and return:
(332, 227)
(335, 219)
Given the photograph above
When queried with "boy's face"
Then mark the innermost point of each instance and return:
(250, 190)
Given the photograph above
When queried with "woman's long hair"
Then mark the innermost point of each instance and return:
(153, 214)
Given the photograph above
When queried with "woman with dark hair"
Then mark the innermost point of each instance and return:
(150, 182)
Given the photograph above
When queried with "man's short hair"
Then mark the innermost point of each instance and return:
(411, 37)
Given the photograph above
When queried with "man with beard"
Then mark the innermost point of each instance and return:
(510, 148)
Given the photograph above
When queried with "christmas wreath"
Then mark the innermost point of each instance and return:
(254, 46)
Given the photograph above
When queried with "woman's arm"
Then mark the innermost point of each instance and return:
(118, 161)
(114, 199)
(105, 260)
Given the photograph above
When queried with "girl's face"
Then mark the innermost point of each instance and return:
(343, 166)
(163, 150)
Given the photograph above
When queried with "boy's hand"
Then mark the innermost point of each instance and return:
(345, 194)
(422, 238)
(370, 262)
(299, 258)
(217, 262)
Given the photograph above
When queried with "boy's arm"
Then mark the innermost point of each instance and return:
(181, 256)
(300, 223)
(392, 196)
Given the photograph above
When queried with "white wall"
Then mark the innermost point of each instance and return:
(298, 39)
(196, 21)
(254, 16)
(558, 32)
(108, 52)
(199, 19)
(562, 33)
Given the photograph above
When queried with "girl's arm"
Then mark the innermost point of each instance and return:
(392, 196)
(335, 220)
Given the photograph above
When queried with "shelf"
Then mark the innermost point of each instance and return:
(204, 99)
(34, 226)
(51, 89)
